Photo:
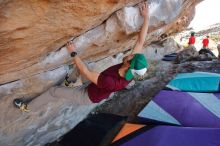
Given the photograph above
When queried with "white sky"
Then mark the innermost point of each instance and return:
(207, 13)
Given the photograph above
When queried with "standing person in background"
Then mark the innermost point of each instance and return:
(192, 41)
(205, 49)
(205, 42)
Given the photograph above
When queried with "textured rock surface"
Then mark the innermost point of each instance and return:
(32, 59)
(30, 30)
(102, 41)
(27, 47)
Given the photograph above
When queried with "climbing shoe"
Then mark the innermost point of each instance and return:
(20, 104)
(68, 83)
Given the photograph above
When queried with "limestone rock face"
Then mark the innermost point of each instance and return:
(33, 56)
(32, 32)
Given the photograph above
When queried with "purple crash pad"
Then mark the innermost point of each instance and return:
(187, 108)
(171, 136)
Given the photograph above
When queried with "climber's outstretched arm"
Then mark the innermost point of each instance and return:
(143, 33)
(90, 75)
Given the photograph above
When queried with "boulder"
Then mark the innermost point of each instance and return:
(116, 34)
(32, 33)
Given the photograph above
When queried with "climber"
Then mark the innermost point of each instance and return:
(117, 77)
(102, 84)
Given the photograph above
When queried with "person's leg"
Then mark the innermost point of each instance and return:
(193, 48)
(59, 95)
(79, 94)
